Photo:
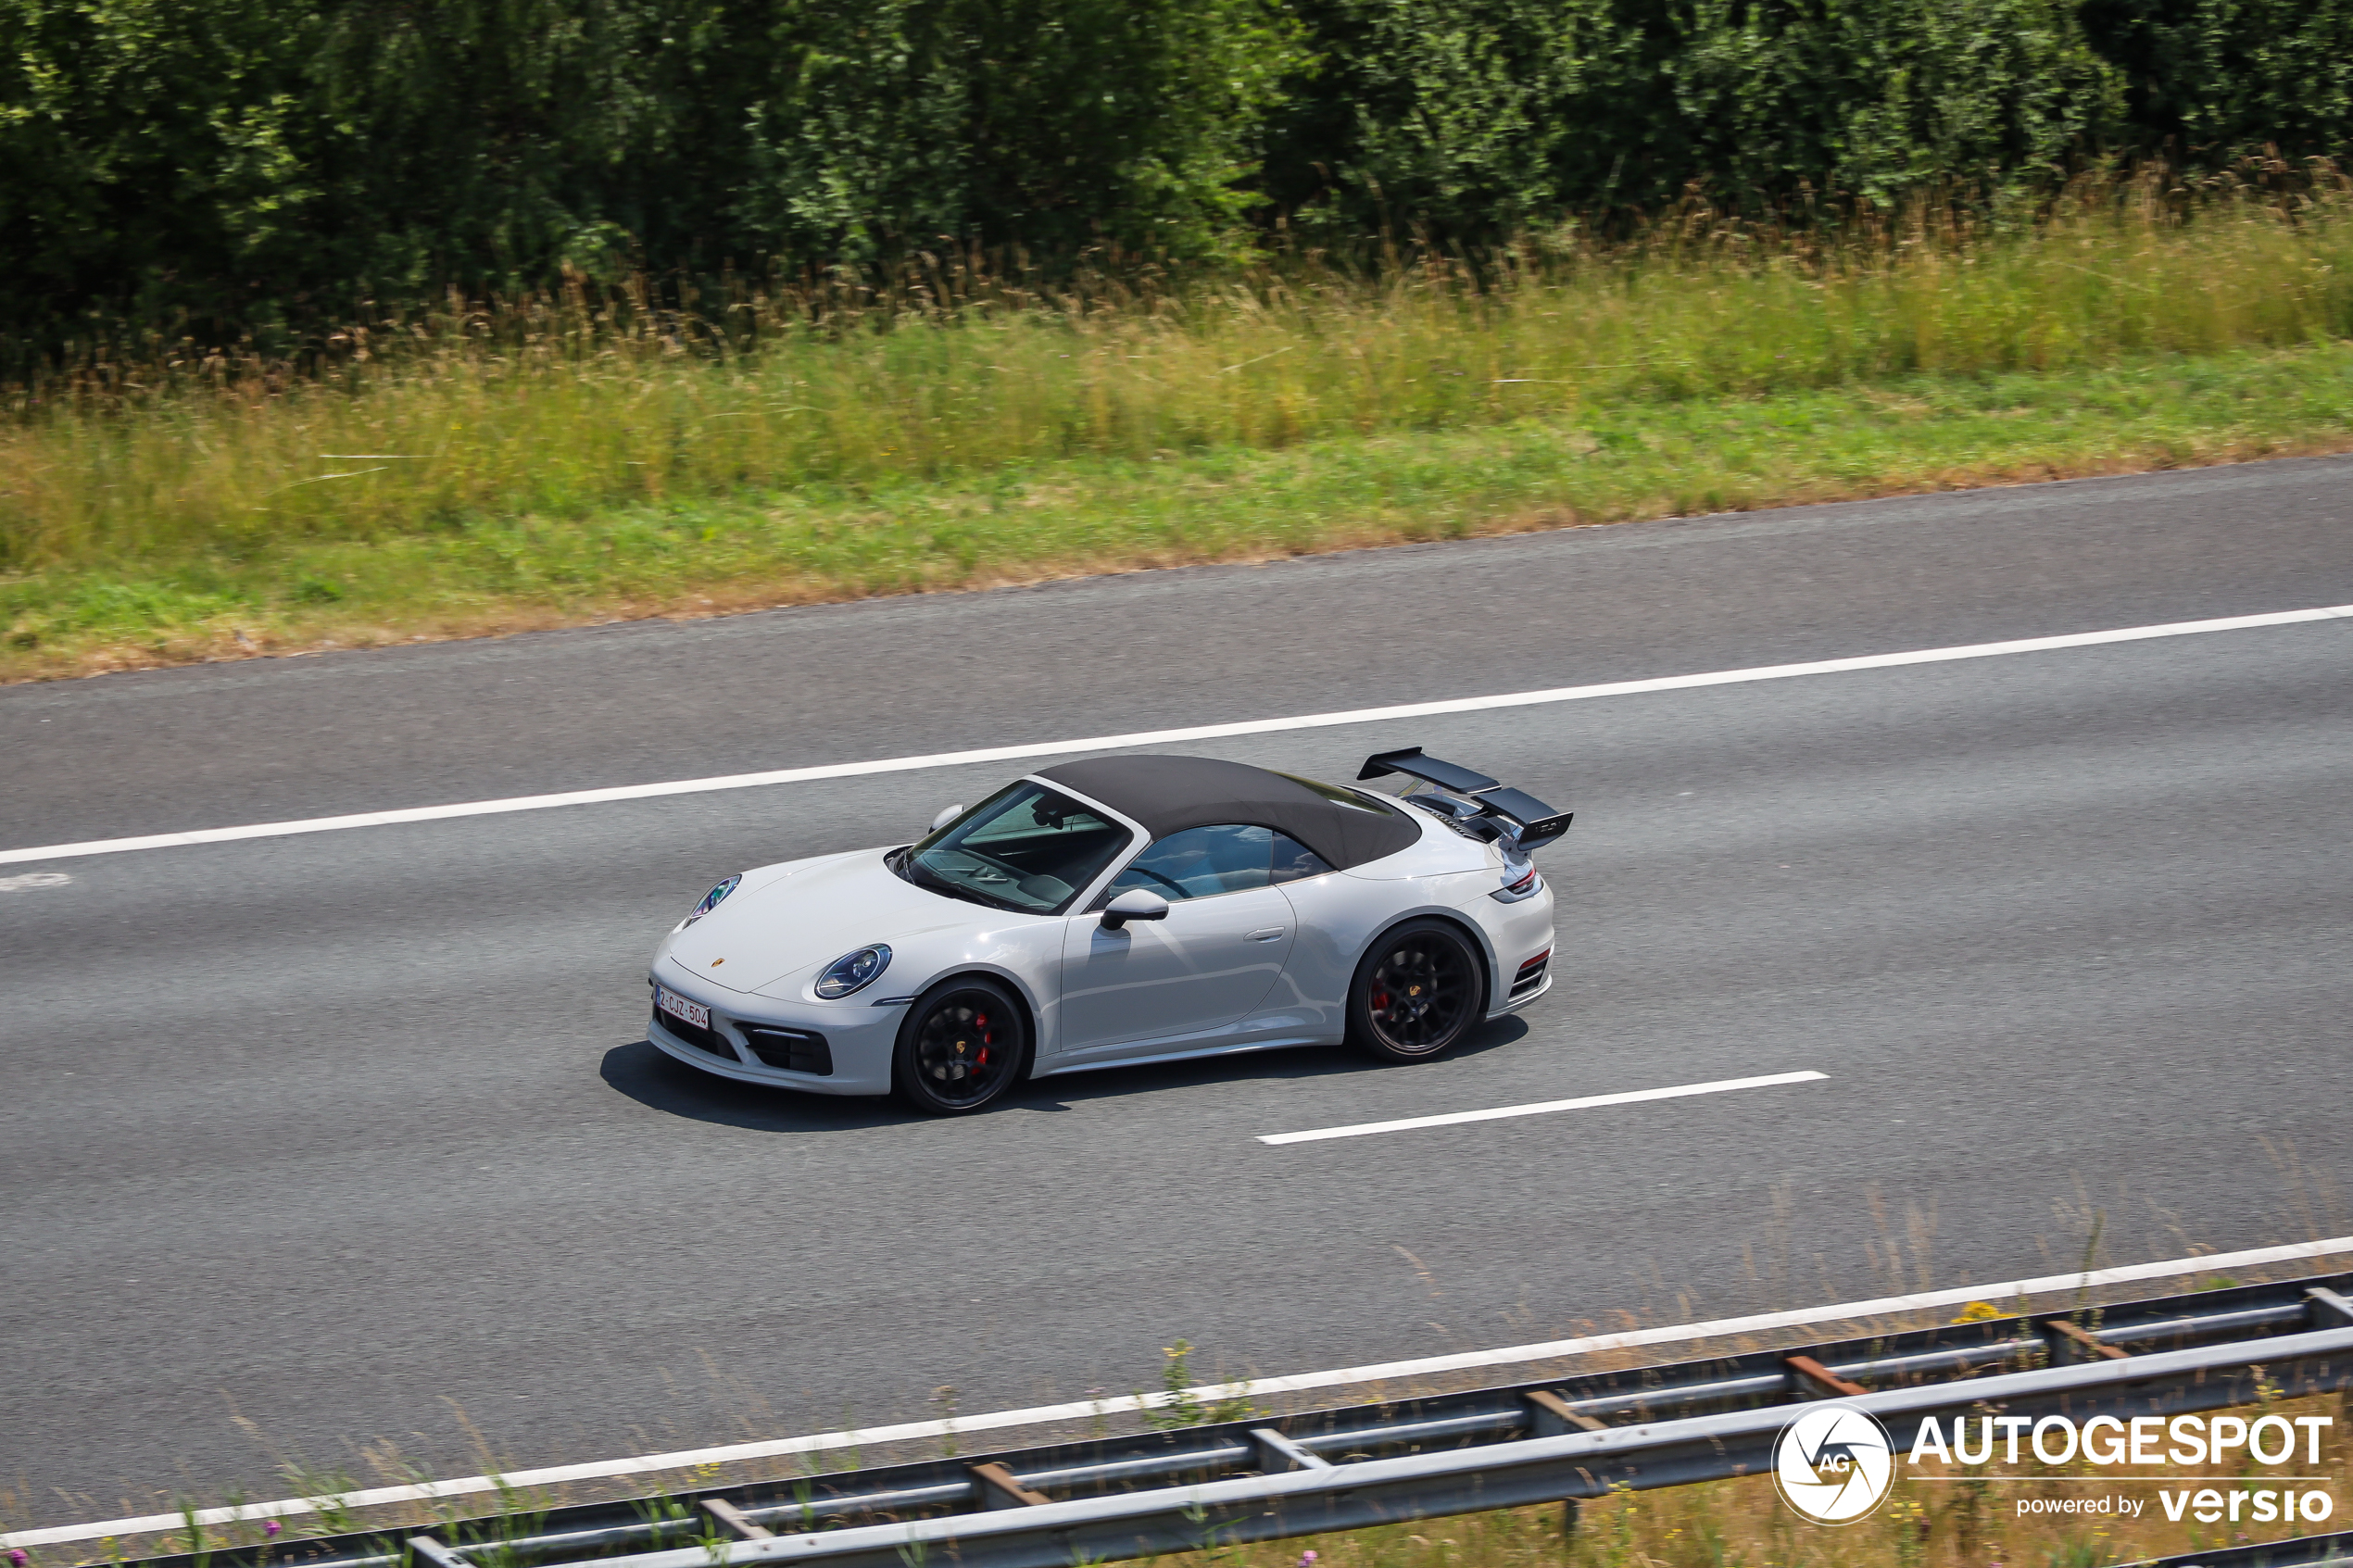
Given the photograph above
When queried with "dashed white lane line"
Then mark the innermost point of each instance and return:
(2004, 1292)
(1540, 1107)
(1161, 738)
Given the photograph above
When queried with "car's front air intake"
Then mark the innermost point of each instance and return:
(696, 1035)
(796, 1050)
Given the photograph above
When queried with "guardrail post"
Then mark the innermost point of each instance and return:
(1000, 1488)
(1549, 1417)
(432, 1551)
(1277, 1453)
(2329, 1309)
(2333, 1310)
(727, 1513)
(1811, 1377)
(2071, 1344)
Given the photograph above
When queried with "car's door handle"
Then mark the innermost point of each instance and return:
(1266, 935)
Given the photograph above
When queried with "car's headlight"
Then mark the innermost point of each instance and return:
(853, 972)
(711, 900)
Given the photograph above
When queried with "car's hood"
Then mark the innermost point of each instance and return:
(791, 918)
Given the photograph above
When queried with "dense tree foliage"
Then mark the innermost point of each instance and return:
(214, 167)
(1506, 112)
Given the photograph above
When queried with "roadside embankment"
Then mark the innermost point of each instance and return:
(566, 462)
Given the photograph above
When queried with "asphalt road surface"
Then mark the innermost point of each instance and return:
(310, 1144)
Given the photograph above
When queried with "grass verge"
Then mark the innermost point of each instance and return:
(593, 456)
(212, 597)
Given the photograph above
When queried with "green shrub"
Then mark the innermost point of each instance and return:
(259, 170)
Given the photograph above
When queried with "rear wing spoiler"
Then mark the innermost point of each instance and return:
(1532, 824)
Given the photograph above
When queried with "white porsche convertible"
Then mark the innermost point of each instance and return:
(1117, 910)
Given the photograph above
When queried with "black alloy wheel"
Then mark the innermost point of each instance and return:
(963, 1044)
(1417, 993)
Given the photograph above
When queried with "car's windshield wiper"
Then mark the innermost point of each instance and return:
(914, 871)
(924, 876)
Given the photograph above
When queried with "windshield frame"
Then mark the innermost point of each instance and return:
(908, 865)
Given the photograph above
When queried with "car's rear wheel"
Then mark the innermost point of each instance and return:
(1417, 992)
(962, 1046)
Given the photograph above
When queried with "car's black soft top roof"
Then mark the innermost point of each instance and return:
(1170, 794)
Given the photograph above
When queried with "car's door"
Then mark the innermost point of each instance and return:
(1208, 964)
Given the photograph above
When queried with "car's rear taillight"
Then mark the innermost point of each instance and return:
(1526, 886)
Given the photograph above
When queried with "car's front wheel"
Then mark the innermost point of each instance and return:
(1417, 993)
(962, 1046)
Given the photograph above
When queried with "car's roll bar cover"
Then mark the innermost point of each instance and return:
(1533, 823)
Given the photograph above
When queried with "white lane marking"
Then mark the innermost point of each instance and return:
(1843, 1311)
(33, 879)
(1161, 738)
(1540, 1107)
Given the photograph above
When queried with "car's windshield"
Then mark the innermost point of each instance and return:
(1026, 847)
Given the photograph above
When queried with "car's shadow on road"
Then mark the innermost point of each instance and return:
(657, 1081)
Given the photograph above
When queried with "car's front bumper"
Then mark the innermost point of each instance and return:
(859, 1035)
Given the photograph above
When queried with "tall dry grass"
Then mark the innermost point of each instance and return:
(583, 402)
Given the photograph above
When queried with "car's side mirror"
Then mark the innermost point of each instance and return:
(1136, 903)
(946, 817)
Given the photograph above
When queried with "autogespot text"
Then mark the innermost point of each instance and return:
(2192, 1441)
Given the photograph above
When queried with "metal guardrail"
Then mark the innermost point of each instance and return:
(1557, 1439)
(1322, 1496)
(2302, 1551)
